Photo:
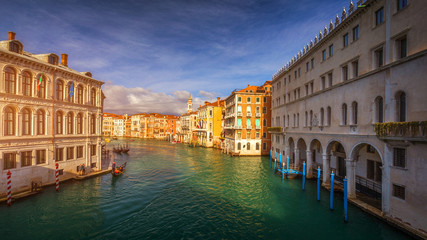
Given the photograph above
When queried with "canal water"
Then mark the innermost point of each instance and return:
(171, 191)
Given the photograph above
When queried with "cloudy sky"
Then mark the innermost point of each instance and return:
(153, 54)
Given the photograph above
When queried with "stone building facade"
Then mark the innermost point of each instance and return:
(247, 117)
(209, 124)
(354, 101)
(50, 114)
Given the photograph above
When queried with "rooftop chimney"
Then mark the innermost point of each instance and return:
(12, 35)
(217, 100)
(64, 59)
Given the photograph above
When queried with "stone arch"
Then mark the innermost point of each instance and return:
(15, 68)
(337, 155)
(300, 152)
(360, 145)
(291, 145)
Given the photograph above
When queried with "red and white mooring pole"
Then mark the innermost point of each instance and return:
(9, 188)
(57, 177)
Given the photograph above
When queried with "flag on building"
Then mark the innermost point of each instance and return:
(40, 82)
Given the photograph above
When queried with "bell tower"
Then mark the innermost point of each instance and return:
(190, 105)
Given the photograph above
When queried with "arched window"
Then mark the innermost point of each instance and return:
(59, 122)
(92, 124)
(40, 122)
(26, 84)
(239, 109)
(249, 146)
(344, 114)
(70, 92)
(80, 94)
(70, 123)
(379, 109)
(257, 146)
(354, 113)
(248, 122)
(10, 80)
(322, 117)
(26, 121)
(9, 121)
(264, 122)
(328, 116)
(257, 122)
(93, 97)
(239, 146)
(60, 90)
(79, 123)
(297, 119)
(41, 87)
(401, 106)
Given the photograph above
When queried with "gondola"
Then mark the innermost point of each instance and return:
(117, 171)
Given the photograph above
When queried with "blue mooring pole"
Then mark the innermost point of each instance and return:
(271, 161)
(275, 161)
(283, 171)
(345, 200)
(318, 183)
(287, 166)
(280, 156)
(303, 176)
(332, 191)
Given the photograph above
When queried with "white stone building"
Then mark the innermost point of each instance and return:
(354, 101)
(50, 114)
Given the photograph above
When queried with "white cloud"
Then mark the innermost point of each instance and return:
(120, 100)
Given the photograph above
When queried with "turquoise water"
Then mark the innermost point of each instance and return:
(172, 191)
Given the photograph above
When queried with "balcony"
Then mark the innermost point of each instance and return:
(258, 114)
(258, 127)
(239, 114)
(237, 127)
(275, 130)
(248, 114)
(249, 127)
(410, 131)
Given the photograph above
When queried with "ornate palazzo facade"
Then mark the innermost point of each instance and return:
(49, 114)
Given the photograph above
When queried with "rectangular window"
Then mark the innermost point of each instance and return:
(323, 82)
(265, 99)
(257, 99)
(330, 80)
(399, 191)
(264, 135)
(399, 157)
(331, 50)
(26, 158)
(379, 57)
(257, 135)
(311, 87)
(239, 99)
(307, 66)
(356, 33)
(93, 150)
(355, 66)
(40, 156)
(312, 63)
(344, 73)
(59, 154)
(299, 72)
(248, 99)
(9, 160)
(379, 16)
(79, 151)
(401, 4)
(70, 153)
(239, 135)
(345, 40)
(403, 47)
(264, 146)
(323, 55)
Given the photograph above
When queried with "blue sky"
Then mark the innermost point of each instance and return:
(153, 54)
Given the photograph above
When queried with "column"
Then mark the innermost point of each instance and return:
(326, 169)
(309, 173)
(287, 152)
(19, 124)
(385, 195)
(351, 177)
(297, 158)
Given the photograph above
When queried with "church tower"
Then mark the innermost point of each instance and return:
(190, 105)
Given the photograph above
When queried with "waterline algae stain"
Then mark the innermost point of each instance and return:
(176, 192)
